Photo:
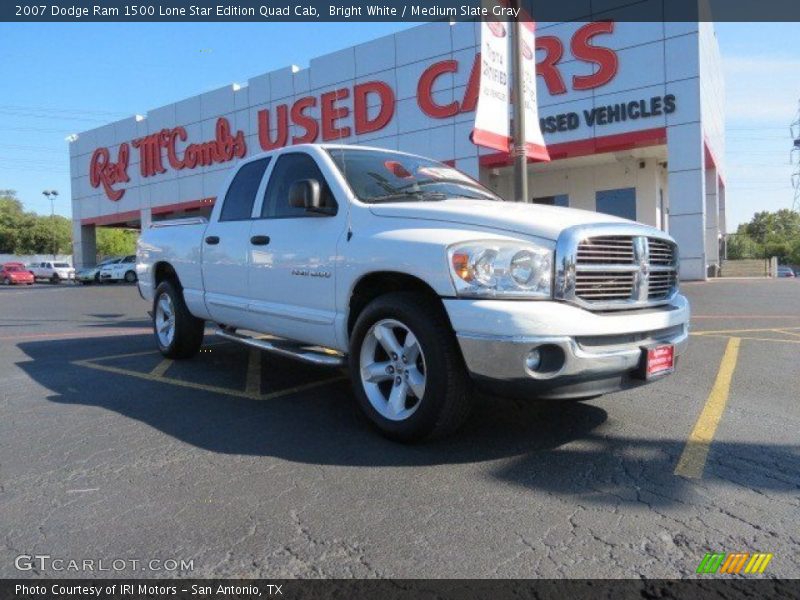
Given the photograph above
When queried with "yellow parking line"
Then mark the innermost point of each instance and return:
(695, 453)
(206, 388)
(142, 353)
(754, 339)
(766, 329)
(253, 385)
(161, 367)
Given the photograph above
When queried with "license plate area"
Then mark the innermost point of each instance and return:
(657, 361)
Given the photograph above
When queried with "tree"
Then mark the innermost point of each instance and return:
(767, 235)
(28, 233)
(113, 241)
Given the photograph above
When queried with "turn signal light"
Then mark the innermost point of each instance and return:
(461, 266)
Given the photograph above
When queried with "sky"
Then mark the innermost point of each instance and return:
(60, 78)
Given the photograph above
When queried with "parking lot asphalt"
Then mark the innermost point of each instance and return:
(249, 465)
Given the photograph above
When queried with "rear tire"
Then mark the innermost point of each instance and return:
(6, 281)
(420, 390)
(178, 333)
(55, 279)
(130, 277)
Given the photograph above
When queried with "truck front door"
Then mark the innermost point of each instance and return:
(292, 273)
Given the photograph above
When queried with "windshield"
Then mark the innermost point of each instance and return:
(13, 269)
(61, 265)
(376, 176)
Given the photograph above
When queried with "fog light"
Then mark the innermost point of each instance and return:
(534, 360)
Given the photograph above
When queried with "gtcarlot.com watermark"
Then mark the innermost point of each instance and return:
(43, 563)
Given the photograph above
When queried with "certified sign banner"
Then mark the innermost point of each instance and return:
(534, 142)
(492, 114)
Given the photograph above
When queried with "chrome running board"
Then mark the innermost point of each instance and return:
(307, 354)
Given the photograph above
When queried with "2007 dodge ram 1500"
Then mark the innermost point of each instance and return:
(421, 280)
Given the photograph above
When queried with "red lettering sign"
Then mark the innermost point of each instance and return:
(333, 107)
(223, 148)
(605, 58)
(106, 173)
(582, 49)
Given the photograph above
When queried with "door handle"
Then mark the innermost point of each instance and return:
(212, 240)
(259, 240)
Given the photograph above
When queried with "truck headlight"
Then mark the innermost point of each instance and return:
(501, 269)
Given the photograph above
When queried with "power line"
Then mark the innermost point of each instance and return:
(106, 113)
(52, 117)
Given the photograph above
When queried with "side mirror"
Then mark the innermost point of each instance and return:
(306, 193)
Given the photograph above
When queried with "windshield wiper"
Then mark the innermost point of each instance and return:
(409, 195)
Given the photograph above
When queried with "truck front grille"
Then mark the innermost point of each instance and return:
(606, 272)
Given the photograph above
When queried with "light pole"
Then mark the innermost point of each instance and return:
(518, 134)
(52, 195)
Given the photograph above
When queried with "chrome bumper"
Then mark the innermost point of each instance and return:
(589, 365)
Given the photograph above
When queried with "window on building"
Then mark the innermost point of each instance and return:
(241, 194)
(557, 200)
(620, 203)
(289, 169)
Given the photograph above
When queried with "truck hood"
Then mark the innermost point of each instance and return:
(528, 219)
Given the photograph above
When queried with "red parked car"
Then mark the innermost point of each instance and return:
(15, 273)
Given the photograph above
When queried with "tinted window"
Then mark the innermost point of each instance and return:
(620, 203)
(290, 168)
(557, 200)
(130, 259)
(242, 192)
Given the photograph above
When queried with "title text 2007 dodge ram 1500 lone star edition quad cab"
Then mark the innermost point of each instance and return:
(421, 280)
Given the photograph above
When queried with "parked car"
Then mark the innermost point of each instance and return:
(122, 270)
(15, 273)
(419, 279)
(55, 272)
(89, 275)
(785, 272)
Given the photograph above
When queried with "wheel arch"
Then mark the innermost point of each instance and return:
(378, 283)
(164, 271)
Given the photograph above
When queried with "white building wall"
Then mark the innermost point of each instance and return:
(582, 183)
(654, 59)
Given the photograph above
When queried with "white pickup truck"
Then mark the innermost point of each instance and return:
(420, 280)
(55, 272)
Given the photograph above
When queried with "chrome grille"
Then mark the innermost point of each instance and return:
(604, 285)
(603, 270)
(608, 250)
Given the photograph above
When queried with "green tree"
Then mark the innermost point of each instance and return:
(766, 235)
(113, 241)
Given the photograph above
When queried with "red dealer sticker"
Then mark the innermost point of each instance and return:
(660, 361)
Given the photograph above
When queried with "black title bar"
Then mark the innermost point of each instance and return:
(391, 10)
(399, 589)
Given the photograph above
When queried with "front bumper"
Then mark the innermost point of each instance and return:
(586, 353)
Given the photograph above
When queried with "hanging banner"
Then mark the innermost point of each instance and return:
(492, 114)
(534, 141)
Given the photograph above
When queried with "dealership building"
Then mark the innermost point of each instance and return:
(632, 114)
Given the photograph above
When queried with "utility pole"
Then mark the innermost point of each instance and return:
(794, 159)
(52, 195)
(518, 149)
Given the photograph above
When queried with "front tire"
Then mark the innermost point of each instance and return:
(407, 370)
(55, 279)
(6, 281)
(178, 333)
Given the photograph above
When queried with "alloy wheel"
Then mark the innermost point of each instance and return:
(393, 371)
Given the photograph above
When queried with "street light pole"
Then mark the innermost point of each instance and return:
(52, 195)
(518, 149)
